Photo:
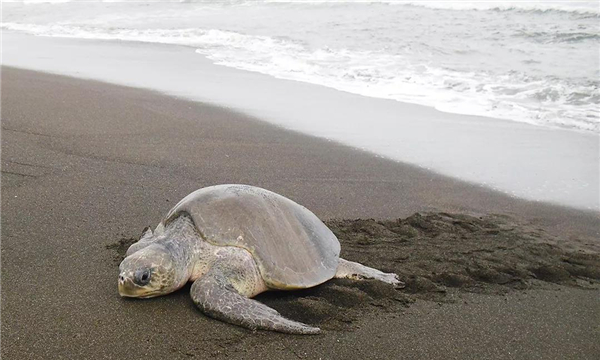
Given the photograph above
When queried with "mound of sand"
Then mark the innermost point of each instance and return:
(436, 255)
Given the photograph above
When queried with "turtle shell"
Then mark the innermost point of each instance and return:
(291, 246)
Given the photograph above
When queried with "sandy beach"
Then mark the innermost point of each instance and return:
(87, 165)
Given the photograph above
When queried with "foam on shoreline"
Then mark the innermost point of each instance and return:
(542, 73)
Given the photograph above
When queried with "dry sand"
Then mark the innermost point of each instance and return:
(86, 166)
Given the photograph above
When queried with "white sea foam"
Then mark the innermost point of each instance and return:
(513, 96)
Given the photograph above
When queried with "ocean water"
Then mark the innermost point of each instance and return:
(528, 61)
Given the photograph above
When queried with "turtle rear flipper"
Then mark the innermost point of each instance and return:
(216, 296)
(356, 271)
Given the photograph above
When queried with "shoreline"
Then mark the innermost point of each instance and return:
(547, 165)
(85, 164)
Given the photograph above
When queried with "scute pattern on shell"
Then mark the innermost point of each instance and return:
(291, 246)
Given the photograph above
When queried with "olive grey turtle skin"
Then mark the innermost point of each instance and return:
(235, 242)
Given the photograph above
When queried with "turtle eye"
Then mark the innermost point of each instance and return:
(142, 277)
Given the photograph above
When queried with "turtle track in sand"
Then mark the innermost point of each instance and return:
(438, 256)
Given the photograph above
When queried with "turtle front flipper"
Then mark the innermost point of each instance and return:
(215, 294)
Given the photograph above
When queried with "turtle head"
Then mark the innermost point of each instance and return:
(149, 272)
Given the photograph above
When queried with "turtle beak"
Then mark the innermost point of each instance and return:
(127, 288)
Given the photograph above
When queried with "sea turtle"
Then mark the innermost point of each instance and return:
(235, 242)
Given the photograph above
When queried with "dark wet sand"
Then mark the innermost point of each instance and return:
(86, 164)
